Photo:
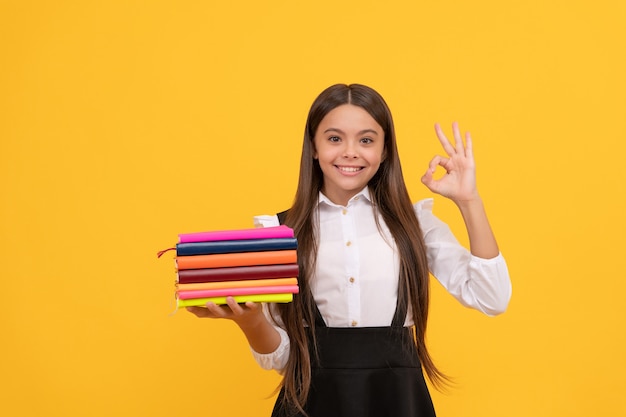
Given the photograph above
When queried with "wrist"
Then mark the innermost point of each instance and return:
(250, 322)
(469, 203)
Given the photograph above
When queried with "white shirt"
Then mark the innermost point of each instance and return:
(355, 282)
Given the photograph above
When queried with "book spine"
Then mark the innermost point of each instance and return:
(236, 259)
(240, 273)
(234, 246)
(275, 282)
(242, 234)
(224, 292)
(260, 298)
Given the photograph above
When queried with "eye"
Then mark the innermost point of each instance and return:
(367, 141)
(334, 139)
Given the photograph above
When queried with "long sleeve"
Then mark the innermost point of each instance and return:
(482, 284)
(278, 359)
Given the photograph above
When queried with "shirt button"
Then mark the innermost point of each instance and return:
(344, 211)
(348, 243)
(354, 323)
(352, 279)
(356, 198)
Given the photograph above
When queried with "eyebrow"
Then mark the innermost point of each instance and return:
(334, 129)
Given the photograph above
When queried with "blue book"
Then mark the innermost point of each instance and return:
(234, 246)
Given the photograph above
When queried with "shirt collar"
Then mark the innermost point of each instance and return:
(364, 193)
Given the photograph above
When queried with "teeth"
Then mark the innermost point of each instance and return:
(349, 169)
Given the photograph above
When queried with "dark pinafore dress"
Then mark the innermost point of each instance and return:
(365, 372)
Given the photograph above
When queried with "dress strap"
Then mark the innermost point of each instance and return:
(281, 216)
(319, 320)
(399, 317)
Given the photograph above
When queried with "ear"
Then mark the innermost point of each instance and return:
(314, 151)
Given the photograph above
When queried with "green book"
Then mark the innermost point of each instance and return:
(255, 298)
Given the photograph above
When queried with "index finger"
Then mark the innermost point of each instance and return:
(458, 139)
(447, 146)
(469, 151)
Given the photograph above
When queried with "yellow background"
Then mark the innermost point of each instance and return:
(124, 123)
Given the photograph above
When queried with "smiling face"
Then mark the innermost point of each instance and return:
(349, 146)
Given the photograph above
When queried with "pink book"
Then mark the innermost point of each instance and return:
(225, 292)
(274, 232)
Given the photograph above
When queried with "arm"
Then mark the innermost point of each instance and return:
(478, 283)
(459, 185)
(478, 279)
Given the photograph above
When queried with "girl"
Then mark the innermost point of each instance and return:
(352, 343)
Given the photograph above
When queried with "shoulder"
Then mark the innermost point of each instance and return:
(425, 216)
(424, 206)
(266, 220)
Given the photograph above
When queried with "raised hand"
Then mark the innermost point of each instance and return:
(459, 185)
(459, 181)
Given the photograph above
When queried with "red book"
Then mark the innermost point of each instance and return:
(240, 273)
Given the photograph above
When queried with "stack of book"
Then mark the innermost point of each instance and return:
(258, 265)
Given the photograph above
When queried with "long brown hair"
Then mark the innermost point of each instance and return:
(391, 199)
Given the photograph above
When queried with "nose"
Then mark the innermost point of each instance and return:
(350, 150)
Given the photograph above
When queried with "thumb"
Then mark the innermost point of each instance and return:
(427, 179)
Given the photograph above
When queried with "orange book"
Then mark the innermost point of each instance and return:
(223, 260)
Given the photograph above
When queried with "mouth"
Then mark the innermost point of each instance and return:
(348, 169)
